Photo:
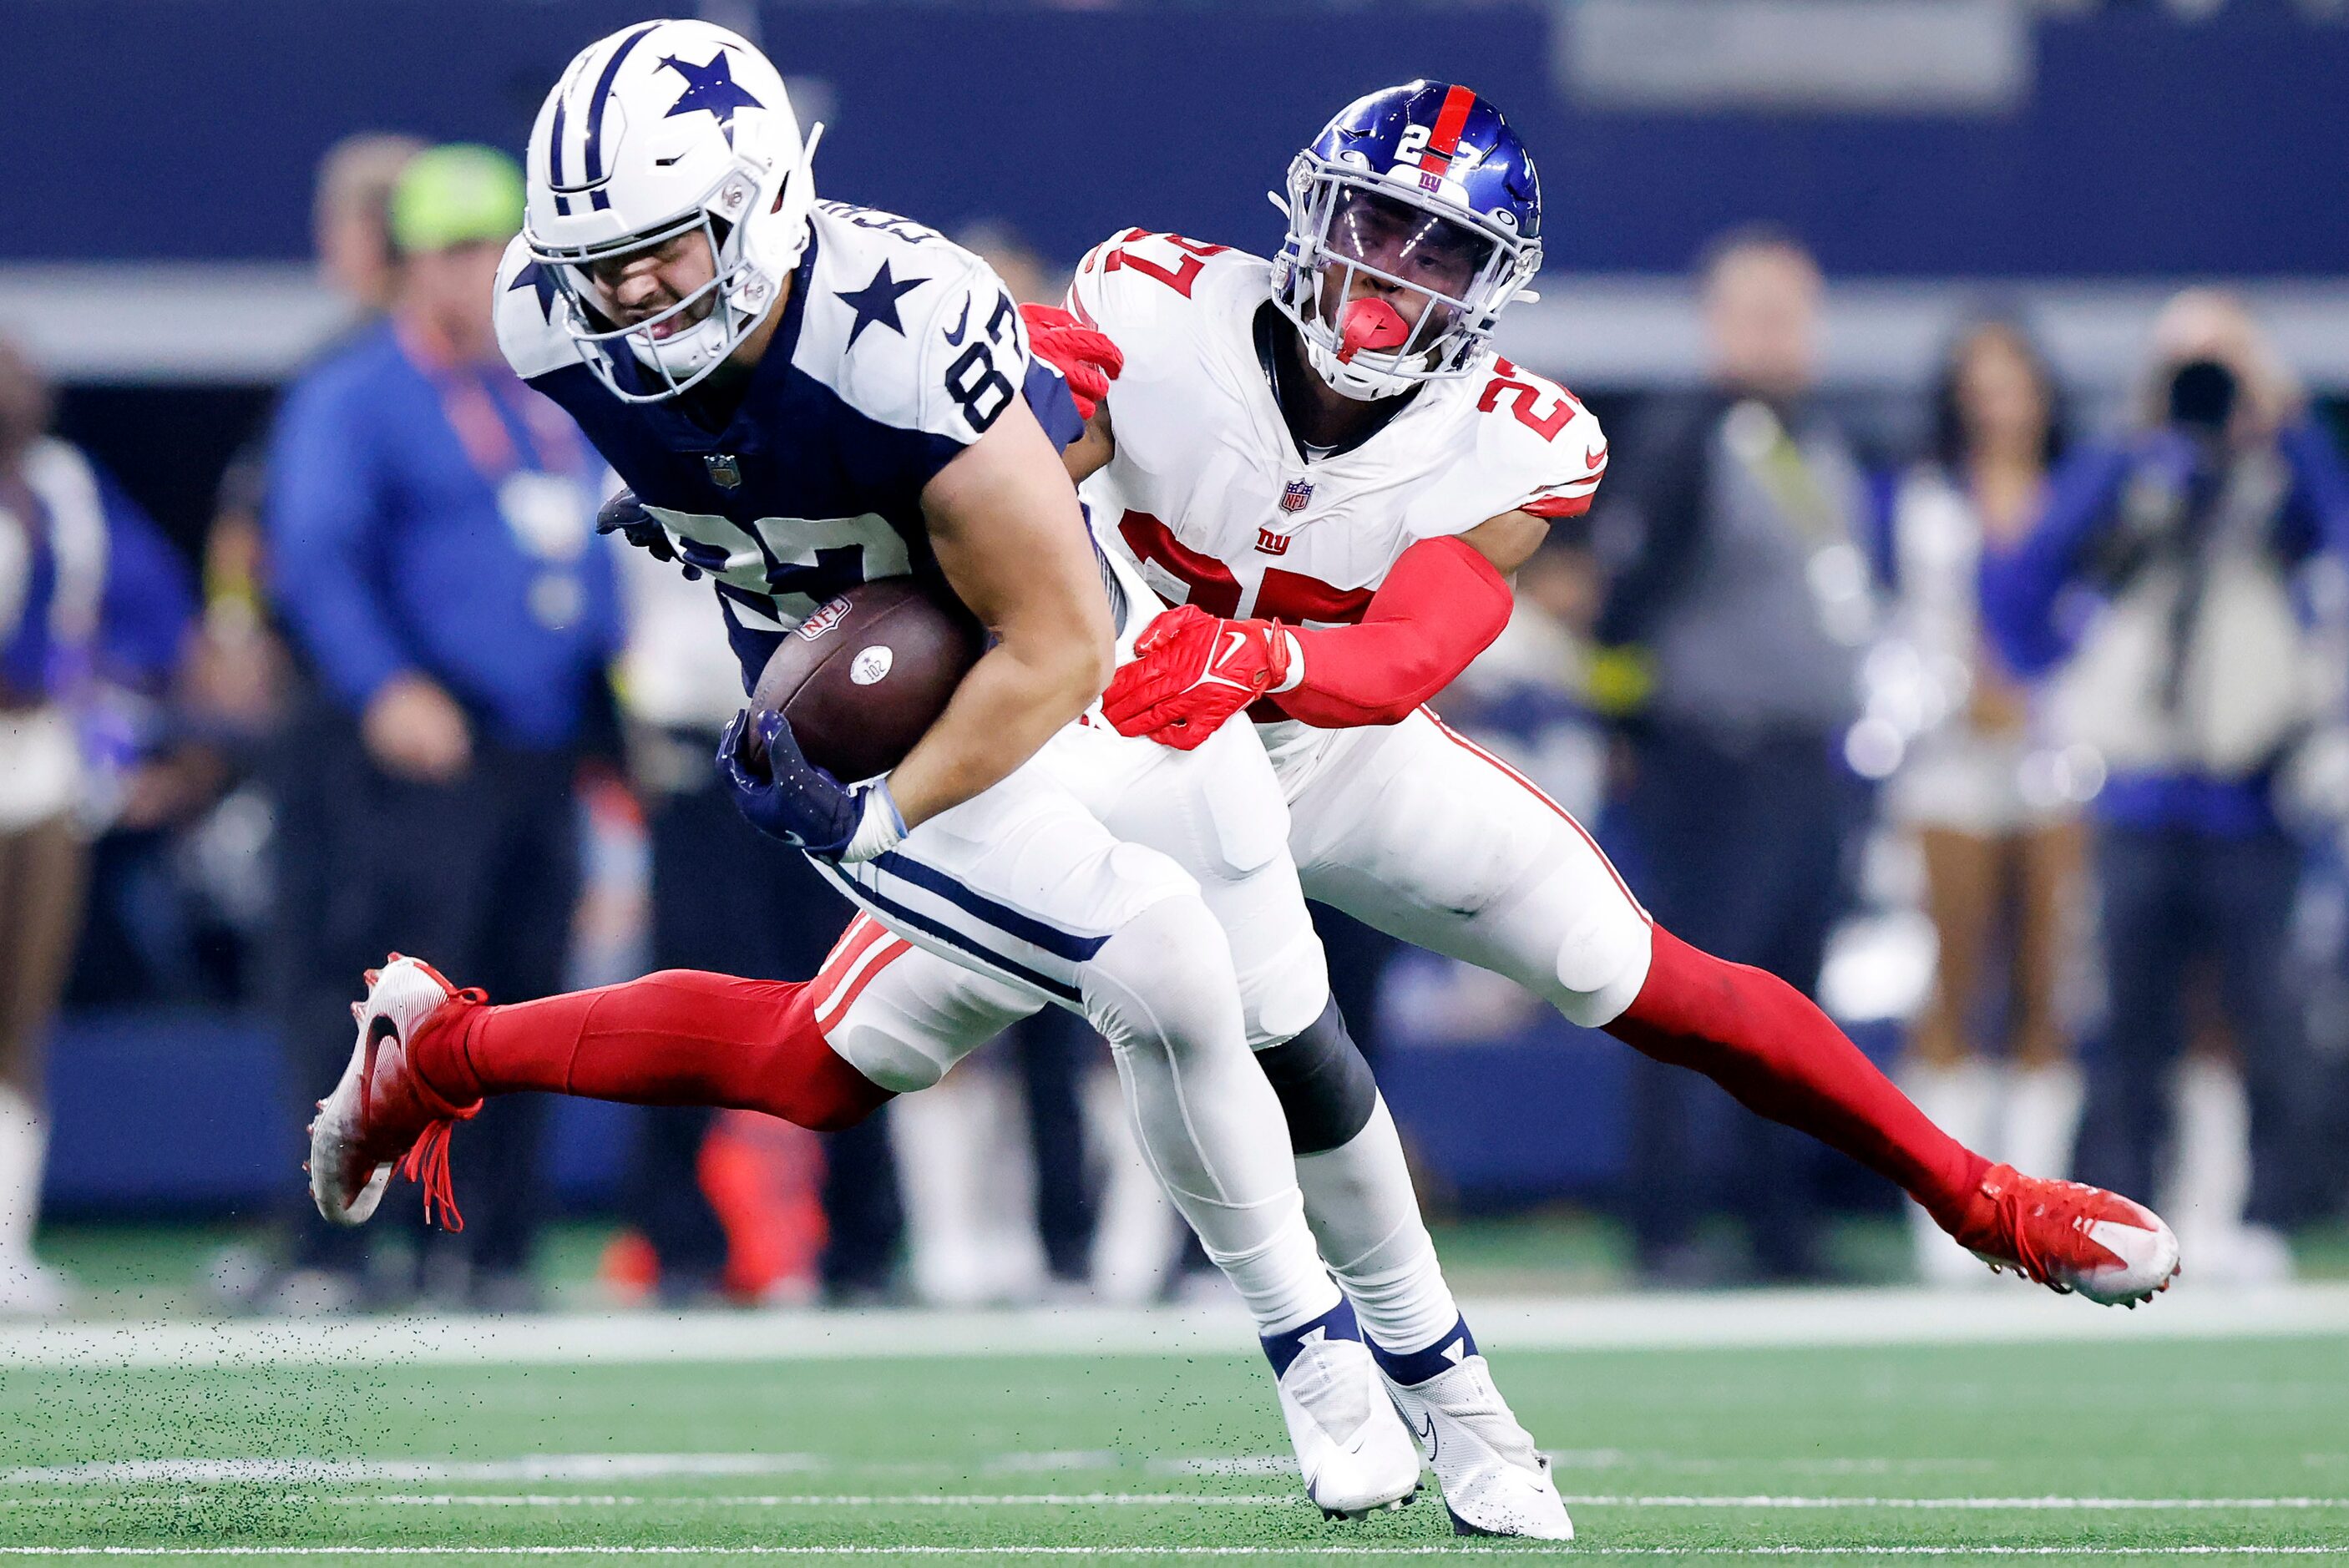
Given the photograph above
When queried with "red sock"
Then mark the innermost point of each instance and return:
(1769, 1045)
(678, 1037)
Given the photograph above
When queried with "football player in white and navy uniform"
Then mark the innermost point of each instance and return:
(801, 396)
(1321, 462)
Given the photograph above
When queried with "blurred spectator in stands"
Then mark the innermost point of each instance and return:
(430, 525)
(725, 897)
(1737, 603)
(255, 686)
(2161, 582)
(350, 216)
(1985, 799)
(95, 609)
(241, 676)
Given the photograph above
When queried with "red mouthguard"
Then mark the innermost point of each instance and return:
(1369, 324)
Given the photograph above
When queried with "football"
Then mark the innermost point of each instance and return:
(869, 672)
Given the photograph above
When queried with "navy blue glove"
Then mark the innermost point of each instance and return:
(625, 515)
(786, 797)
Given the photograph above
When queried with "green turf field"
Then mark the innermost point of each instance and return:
(2100, 1450)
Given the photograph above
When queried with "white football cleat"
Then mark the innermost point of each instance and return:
(1351, 1448)
(2069, 1237)
(380, 1110)
(1496, 1483)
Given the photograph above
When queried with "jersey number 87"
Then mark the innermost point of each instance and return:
(982, 391)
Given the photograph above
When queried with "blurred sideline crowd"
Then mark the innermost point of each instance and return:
(2030, 738)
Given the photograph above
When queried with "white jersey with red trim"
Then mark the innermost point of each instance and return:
(1410, 827)
(1209, 492)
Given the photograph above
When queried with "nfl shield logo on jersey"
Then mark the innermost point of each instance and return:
(724, 471)
(1299, 494)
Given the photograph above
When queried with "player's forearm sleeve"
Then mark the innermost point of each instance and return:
(1441, 606)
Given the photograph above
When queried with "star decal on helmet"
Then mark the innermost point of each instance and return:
(710, 88)
(877, 302)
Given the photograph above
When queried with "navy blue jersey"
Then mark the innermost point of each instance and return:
(896, 350)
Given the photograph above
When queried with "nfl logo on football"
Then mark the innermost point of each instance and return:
(826, 617)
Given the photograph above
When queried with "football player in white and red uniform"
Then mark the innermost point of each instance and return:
(1319, 460)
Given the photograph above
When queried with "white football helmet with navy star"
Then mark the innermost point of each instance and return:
(661, 128)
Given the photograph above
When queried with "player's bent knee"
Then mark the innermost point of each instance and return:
(1602, 963)
(1324, 1084)
(1166, 974)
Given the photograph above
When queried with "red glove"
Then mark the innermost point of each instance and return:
(1192, 672)
(1086, 357)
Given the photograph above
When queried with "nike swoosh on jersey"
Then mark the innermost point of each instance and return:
(1593, 457)
(954, 338)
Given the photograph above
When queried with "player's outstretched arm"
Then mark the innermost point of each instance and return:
(1009, 535)
(1442, 605)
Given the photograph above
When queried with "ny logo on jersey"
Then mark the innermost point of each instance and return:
(1271, 543)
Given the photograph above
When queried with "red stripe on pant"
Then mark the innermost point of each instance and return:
(681, 1036)
(863, 932)
(845, 974)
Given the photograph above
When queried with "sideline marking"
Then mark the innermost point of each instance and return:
(1630, 1321)
(1453, 1551)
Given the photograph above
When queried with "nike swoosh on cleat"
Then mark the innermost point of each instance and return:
(955, 337)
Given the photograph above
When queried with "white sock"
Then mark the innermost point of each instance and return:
(24, 1153)
(2210, 1175)
(1959, 1100)
(1365, 1216)
(2043, 1118)
(1162, 993)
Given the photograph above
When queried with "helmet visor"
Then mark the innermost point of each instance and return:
(646, 297)
(1408, 243)
(1432, 268)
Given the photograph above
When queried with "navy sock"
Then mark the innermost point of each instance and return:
(1419, 1366)
(1338, 1323)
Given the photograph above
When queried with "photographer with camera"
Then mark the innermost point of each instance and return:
(2160, 593)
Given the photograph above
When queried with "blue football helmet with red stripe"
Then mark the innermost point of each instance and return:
(1414, 217)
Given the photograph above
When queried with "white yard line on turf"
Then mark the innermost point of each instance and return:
(1184, 1500)
(1443, 1550)
(1188, 1500)
(326, 1472)
(1829, 1317)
